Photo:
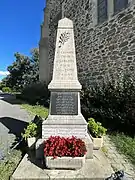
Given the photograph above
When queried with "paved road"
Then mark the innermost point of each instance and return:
(13, 119)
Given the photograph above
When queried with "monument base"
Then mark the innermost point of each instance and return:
(64, 126)
(64, 162)
(97, 168)
(87, 140)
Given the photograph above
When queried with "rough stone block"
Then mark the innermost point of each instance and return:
(89, 147)
(64, 162)
(64, 126)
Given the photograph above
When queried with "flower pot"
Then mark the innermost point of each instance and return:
(97, 142)
(64, 162)
(31, 142)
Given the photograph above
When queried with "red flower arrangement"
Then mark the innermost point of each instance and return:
(57, 146)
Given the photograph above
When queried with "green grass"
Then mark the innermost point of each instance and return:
(36, 110)
(104, 149)
(8, 166)
(125, 145)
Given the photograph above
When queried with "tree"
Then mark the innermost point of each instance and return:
(3, 83)
(23, 71)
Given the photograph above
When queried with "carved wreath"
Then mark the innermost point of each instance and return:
(64, 37)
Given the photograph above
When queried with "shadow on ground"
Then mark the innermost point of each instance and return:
(10, 98)
(40, 163)
(15, 126)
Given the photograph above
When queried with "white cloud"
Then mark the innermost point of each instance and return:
(4, 73)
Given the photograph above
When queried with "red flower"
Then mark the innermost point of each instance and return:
(60, 146)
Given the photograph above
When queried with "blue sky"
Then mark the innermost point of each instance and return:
(19, 28)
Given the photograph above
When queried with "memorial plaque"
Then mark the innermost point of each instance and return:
(64, 103)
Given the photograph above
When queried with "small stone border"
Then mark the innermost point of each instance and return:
(118, 161)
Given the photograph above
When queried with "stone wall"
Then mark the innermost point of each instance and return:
(101, 50)
(55, 14)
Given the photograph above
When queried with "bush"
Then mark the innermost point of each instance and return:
(113, 103)
(7, 89)
(35, 94)
(96, 128)
(57, 146)
(30, 131)
(1, 85)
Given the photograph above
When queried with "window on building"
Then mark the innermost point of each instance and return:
(119, 5)
(102, 10)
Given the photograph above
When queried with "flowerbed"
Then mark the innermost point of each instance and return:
(64, 153)
(57, 146)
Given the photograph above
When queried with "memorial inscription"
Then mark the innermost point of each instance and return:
(64, 103)
(64, 69)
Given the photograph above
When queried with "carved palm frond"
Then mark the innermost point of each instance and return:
(63, 38)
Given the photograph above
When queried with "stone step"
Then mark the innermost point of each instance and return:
(31, 169)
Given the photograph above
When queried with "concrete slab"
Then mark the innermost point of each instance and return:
(31, 169)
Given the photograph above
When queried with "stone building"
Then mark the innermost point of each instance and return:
(104, 37)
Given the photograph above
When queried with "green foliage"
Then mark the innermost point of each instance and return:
(8, 166)
(125, 145)
(112, 103)
(104, 149)
(36, 93)
(7, 89)
(36, 110)
(30, 131)
(2, 84)
(96, 128)
(23, 71)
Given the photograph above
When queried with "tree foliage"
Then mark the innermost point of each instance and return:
(23, 71)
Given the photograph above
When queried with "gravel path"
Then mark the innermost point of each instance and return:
(117, 160)
(13, 119)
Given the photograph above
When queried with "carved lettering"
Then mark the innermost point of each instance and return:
(64, 66)
(64, 103)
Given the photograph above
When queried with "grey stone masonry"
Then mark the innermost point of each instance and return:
(101, 49)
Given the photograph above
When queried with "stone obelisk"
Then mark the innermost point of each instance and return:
(65, 118)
